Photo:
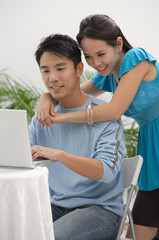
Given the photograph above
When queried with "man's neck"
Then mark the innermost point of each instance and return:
(75, 101)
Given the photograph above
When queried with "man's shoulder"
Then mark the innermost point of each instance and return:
(96, 101)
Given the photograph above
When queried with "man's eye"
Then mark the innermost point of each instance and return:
(60, 69)
(100, 54)
(45, 71)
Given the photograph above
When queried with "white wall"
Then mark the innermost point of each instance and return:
(24, 22)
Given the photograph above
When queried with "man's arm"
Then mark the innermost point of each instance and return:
(33, 131)
(105, 162)
(87, 167)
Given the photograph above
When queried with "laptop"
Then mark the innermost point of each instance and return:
(15, 147)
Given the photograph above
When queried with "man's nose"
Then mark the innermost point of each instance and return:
(53, 77)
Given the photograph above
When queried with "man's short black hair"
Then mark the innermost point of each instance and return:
(60, 45)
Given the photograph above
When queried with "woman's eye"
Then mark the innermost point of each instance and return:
(86, 57)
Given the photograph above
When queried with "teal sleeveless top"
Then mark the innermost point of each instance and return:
(144, 109)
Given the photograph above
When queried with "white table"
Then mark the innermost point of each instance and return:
(25, 211)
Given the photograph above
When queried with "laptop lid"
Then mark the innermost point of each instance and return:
(15, 148)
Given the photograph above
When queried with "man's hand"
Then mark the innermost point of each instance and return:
(49, 153)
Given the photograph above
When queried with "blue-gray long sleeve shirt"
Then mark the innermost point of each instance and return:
(103, 141)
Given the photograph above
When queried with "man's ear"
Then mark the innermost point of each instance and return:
(79, 69)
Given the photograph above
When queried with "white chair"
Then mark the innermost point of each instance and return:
(130, 171)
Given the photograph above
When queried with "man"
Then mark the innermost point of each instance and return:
(85, 176)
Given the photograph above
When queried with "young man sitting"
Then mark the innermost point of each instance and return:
(85, 174)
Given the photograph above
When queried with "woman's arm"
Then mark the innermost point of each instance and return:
(45, 109)
(46, 103)
(87, 167)
(125, 92)
(122, 98)
(89, 88)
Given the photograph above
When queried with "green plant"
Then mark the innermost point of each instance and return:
(131, 139)
(86, 76)
(17, 94)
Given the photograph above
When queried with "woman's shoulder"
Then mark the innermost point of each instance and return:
(132, 58)
(138, 53)
(103, 82)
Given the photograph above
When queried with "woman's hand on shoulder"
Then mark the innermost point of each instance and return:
(59, 117)
(45, 110)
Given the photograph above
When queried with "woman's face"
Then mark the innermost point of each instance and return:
(104, 58)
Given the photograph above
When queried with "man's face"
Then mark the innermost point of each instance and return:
(59, 75)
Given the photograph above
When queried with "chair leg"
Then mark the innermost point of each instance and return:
(126, 211)
(121, 225)
(131, 225)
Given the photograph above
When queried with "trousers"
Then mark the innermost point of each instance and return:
(85, 223)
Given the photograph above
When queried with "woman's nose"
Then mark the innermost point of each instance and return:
(96, 62)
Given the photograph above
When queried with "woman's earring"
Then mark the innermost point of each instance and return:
(120, 50)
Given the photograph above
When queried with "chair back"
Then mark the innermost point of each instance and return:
(130, 170)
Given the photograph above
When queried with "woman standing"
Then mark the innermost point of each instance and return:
(132, 74)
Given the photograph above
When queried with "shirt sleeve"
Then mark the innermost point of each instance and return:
(103, 82)
(132, 58)
(111, 150)
(33, 131)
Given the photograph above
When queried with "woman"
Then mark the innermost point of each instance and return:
(132, 75)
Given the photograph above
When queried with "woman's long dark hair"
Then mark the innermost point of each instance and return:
(102, 27)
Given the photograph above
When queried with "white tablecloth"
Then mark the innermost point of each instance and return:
(25, 211)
